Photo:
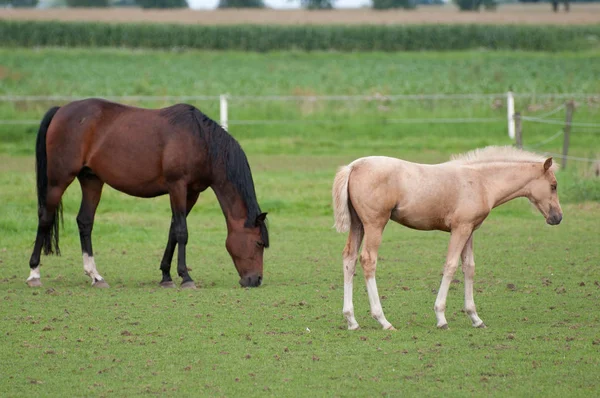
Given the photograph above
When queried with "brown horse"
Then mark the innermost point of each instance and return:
(145, 153)
(455, 197)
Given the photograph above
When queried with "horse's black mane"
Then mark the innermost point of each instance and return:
(222, 147)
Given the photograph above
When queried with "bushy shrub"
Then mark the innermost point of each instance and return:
(387, 4)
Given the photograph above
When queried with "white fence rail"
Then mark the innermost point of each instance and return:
(224, 100)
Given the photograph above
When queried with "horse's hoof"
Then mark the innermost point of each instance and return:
(188, 285)
(167, 284)
(443, 327)
(482, 326)
(354, 327)
(390, 328)
(101, 284)
(35, 282)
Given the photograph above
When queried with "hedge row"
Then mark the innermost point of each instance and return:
(306, 37)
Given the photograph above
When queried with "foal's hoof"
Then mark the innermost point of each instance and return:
(188, 285)
(167, 284)
(390, 328)
(101, 284)
(443, 327)
(35, 282)
(482, 326)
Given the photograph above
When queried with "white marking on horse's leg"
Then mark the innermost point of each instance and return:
(468, 266)
(458, 239)
(34, 273)
(89, 267)
(376, 309)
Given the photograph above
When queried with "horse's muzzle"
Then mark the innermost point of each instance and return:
(251, 281)
(554, 218)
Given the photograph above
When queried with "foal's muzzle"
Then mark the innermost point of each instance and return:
(251, 281)
(554, 218)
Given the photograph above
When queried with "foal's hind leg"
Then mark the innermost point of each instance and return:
(165, 264)
(468, 267)
(350, 255)
(368, 260)
(91, 191)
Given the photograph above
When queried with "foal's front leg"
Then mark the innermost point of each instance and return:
(458, 238)
(468, 267)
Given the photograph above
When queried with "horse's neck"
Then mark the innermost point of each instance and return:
(507, 181)
(232, 205)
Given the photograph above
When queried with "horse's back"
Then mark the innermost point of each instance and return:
(135, 150)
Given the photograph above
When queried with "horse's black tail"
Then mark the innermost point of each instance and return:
(50, 238)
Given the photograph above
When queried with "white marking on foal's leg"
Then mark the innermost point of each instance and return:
(470, 308)
(89, 267)
(349, 307)
(376, 310)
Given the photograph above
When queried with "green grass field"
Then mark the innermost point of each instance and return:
(537, 287)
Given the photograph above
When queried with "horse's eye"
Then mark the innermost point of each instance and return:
(260, 244)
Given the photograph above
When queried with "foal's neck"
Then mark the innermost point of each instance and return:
(507, 180)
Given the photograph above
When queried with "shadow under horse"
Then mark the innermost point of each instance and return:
(177, 151)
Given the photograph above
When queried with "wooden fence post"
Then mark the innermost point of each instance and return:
(518, 130)
(567, 131)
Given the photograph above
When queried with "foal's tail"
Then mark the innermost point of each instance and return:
(50, 239)
(341, 209)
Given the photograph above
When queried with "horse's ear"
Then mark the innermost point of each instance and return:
(547, 164)
(260, 218)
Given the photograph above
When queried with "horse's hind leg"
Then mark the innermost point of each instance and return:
(350, 255)
(47, 232)
(91, 191)
(165, 264)
(368, 260)
(468, 267)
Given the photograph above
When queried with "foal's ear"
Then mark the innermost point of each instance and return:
(547, 164)
(260, 218)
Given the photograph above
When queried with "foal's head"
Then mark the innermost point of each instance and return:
(246, 246)
(544, 195)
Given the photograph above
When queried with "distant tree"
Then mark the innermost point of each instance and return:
(317, 4)
(87, 3)
(475, 5)
(19, 3)
(387, 4)
(162, 3)
(241, 4)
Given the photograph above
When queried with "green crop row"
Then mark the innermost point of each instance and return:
(305, 38)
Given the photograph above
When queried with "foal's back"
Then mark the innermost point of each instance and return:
(419, 196)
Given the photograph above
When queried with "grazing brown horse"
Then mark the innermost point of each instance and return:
(145, 153)
(455, 197)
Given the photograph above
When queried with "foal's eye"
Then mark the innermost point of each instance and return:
(553, 186)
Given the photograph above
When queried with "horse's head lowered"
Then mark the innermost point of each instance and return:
(544, 195)
(246, 246)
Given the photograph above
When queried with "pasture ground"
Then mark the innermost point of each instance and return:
(518, 14)
(537, 287)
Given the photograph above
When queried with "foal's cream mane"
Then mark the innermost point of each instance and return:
(492, 154)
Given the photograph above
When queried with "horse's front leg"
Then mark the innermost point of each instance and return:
(468, 267)
(165, 264)
(181, 204)
(458, 238)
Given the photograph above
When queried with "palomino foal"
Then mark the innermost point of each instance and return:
(455, 197)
